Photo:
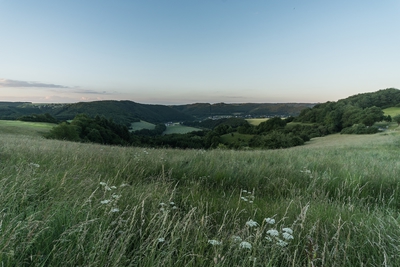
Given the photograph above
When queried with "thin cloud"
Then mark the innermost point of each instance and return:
(88, 91)
(19, 84)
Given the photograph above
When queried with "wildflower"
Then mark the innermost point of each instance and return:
(245, 244)
(273, 232)
(172, 203)
(282, 243)
(268, 238)
(214, 242)
(287, 236)
(162, 204)
(107, 188)
(251, 223)
(115, 210)
(34, 165)
(174, 207)
(244, 191)
(236, 239)
(116, 196)
(244, 199)
(288, 230)
(123, 185)
(251, 201)
(252, 258)
(269, 220)
(105, 201)
(113, 187)
(103, 183)
(161, 239)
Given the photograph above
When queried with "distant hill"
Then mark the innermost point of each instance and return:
(204, 110)
(126, 112)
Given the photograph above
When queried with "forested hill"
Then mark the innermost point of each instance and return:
(126, 112)
(122, 111)
(204, 110)
(363, 108)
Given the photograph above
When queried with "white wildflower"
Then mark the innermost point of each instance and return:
(123, 185)
(107, 188)
(236, 239)
(34, 165)
(245, 244)
(273, 232)
(113, 187)
(105, 201)
(174, 207)
(103, 183)
(268, 238)
(214, 242)
(116, 196)
(115, 210)
(287, 236)
(172, 203)
(251, 223)
(244, 199)
(162, 204)
(288, 230)
(244, 191)
(270, 220)
(161, 239)
(282, 243)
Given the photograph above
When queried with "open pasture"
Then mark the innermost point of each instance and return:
(392, 111)
(135, 126)
(332, 202)
(257, 121)
(23, 127)
(179, 129)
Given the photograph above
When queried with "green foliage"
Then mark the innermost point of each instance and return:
(396, 119)
(46, 117)
(97, 130)
(360, 129)
(270, 125)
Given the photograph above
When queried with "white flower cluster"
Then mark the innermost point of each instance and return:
(164, 207)
(247, 196)
(287, 235)
(113, 199)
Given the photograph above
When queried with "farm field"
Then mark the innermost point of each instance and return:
(256, 122)
(179, 129)
(135, 126)
(333, 202)
(393, 111)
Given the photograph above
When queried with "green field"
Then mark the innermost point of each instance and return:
(256, 122)
(179, 129)
(393, 111)
(332, 202)
(22, 127)
(135, 126)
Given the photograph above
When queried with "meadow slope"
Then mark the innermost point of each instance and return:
(332, 202)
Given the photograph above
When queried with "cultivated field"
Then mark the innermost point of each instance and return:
(332, 202)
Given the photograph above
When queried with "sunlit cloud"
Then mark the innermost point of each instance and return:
(6, 83)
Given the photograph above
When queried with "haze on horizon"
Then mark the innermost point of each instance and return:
(181, 52)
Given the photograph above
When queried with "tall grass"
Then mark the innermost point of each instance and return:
(72, 204)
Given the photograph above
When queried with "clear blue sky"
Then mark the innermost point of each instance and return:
(187, 51)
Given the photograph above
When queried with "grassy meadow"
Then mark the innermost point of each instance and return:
(332, 202)
(179, 129)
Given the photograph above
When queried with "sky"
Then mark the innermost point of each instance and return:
(197, 51)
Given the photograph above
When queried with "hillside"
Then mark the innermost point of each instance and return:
(204, 110)
(126, 112)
